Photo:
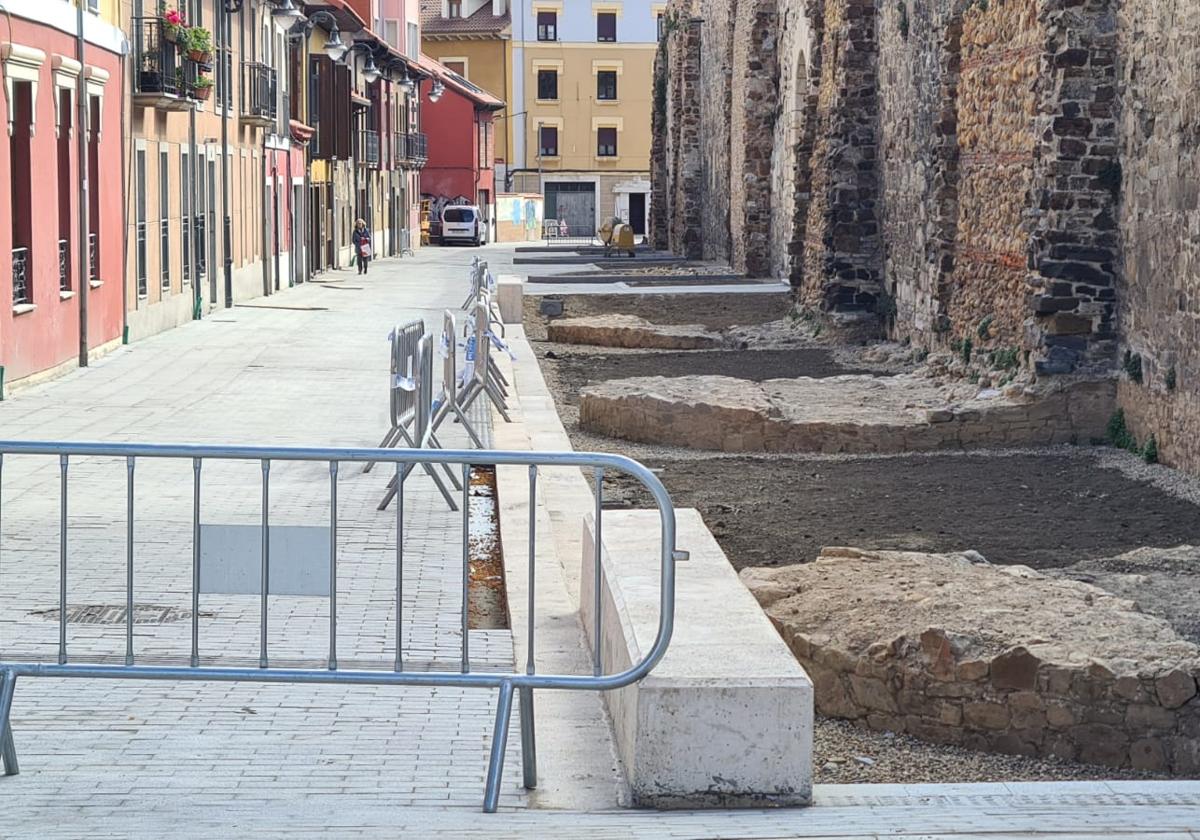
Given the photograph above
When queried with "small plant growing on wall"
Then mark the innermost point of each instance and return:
(1132, 365)
(903, 10)
(1171, 379)
(1150, 453)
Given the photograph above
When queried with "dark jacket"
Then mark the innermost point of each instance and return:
(360, 236)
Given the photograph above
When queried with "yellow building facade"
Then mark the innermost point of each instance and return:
(581, 109)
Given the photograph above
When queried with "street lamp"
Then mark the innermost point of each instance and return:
(435, 93)
(287, 11)
(334, 47)
(370, 71)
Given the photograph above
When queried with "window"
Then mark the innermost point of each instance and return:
(22, 192)
(164, 222)
(606, 85)
(141, 223)
(606, 142)
(455, 8)
(459, 67)
(547, 26)
(548, 141)
(66, 110)
(547, 84)
(458, 215)
(414, 42)
(94, 103)
(660, 25)
(185, 212)
(606, 26)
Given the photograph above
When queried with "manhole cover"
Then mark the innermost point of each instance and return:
(116, 614)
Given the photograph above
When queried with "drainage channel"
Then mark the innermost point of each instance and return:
(487, 594)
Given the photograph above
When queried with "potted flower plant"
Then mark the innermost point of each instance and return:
(173, 24)
(202, 88)
(199, 44)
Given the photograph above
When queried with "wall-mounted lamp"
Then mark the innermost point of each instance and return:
(335, 47)
(287, 11)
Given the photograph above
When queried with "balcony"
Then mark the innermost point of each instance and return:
(368, 148)
(20, 277)
(161, 75)
(411, 150)
(259, 95)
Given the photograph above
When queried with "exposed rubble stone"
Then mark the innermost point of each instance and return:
(632, 332)
(901, 641)
(850, 414)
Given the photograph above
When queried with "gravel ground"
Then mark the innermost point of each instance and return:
(844, 753)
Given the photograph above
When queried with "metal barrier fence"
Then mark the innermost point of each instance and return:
(396, 670)
(402, 391)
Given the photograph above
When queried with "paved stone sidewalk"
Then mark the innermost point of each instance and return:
(307, 367)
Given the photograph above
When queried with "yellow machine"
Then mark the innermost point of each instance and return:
(425, 219)
(616, 235)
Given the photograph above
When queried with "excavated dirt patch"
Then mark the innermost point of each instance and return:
(574, 370)
(1043, 511)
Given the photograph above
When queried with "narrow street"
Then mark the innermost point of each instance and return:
(307, 367)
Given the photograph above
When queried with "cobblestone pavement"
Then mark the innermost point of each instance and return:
(308, 367)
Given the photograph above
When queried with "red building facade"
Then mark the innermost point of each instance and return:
(54, 264)
(462, 143)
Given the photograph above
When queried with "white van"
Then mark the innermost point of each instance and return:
(463, 223)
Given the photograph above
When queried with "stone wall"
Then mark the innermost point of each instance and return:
(754, 92)
(1158, 49)
(992, 658)
(839, 266)
(995, 113)
(716, 104)
(1013, 177)
(918, 75)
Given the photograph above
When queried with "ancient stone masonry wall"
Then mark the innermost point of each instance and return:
(840, 269)
(716, 76)
(753, 91)
(918, 78)
(684, 150)
(989, 658)
(659, 227)
(995, 113)
(1158, 45)
(1074, 247)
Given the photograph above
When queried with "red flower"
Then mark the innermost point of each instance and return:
(174, 17)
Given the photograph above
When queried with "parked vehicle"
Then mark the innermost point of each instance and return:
(463, 223)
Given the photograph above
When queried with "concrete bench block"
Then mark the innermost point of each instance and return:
(509, 294)
(726, 718)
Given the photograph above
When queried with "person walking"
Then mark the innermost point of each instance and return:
(362, 245)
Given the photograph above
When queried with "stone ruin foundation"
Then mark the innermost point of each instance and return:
(953, 650)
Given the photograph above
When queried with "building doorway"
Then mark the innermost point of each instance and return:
(637, 213)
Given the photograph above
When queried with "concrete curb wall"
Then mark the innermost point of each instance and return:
(726, 718)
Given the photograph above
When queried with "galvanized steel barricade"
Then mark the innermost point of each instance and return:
(423, 436)
(488, 378)
(450, 401)
(397, 669)
(402, 392)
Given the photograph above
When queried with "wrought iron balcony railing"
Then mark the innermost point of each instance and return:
(93, 258)
(20, 277)
(64, 265)
(259, 94)
(162, 76)
(368, 148)
(412, 150)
